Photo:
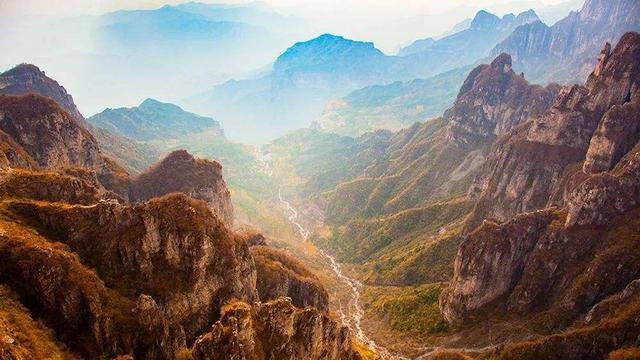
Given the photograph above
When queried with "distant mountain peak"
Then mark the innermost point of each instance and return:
(331, 38)
(527, 16)
(484, 20)
(324, 51)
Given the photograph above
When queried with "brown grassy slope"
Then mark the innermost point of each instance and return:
(47, 186)
(591, 342)
(22, 336)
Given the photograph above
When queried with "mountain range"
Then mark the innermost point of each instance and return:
(473, 214)
(98, 263)
(153, 119)
(564, 51)
(310, 73)
(520, 198)
(466, 46)
(207, 43)
(539, 54)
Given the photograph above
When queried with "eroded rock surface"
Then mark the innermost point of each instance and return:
(274, 330)
(181, 172)
(494, 99)
(527, 166)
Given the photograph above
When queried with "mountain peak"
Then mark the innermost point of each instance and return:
(527, 16)
(23, 69)
(326, 51)
(28, 78)
(328, 38)
(484, 20)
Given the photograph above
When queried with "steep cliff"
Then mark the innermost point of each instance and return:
(172, 248)
(47, 133)
(274, 330)
(493, 100)
(564, 51)
(26, 78)
(561, 261)
(281, 275)
(181, 172)
(12, 154)
(532, 165)
(29, 79)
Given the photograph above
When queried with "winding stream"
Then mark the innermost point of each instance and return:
(355, 310)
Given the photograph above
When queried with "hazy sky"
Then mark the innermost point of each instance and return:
(389, 23)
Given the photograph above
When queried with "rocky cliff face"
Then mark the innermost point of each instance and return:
(274, 330)
(559, 261)
(12, 154)
(530, 166)
(172, 248)
(27, 78)
(492, 101)
(280, 275)
(47, 133)
(564, 51)
(161, 274)
(181, 172)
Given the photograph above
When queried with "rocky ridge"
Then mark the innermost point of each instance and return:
(553, 265)
(564, 51)
(493, 100)
(27, 78)
(534, 166)
(144, 280)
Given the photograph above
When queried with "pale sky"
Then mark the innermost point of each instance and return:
(388, 23)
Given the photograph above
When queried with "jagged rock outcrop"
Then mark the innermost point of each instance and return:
(493, 100)
(616, 134)
(607, 194)
(172, 248)
(47, 133)
(181, 172)
(274, 330)
(565, 51)
(527, 167)
(26, 78)
(281, 275)
(560, 261)
(161, 271)
(603, 309)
